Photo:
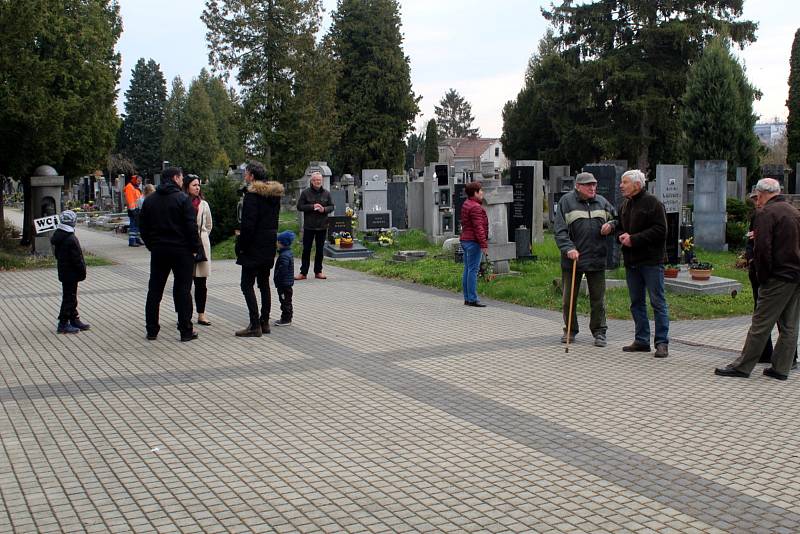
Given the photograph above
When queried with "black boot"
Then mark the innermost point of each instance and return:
(265, 326)
(252, 330)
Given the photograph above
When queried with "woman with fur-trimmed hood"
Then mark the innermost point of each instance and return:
(256, 244)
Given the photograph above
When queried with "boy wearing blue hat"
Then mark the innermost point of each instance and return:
(284, 277)
(71, 270)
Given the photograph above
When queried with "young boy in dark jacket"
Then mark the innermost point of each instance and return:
(71, 270)
(284, 277)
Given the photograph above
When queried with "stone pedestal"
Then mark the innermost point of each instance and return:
(45, 200)
(495, 198)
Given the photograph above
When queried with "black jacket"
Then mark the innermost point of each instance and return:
(284, 268)
(167, 221)
(67, 249)
(577, 226)
(314, 220)
(258, 232)
(776, 246)
(644, 218)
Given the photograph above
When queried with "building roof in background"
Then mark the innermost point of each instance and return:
(472, 147)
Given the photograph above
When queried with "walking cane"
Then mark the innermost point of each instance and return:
(571, 301)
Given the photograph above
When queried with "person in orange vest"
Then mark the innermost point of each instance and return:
(132, 195)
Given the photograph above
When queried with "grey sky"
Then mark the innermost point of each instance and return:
(479, 48)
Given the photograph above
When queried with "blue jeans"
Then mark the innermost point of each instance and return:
(651, 279)
(472, 262)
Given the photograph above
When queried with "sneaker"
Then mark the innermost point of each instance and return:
(80, 325)
(636, 347)
(600, 340)
(320, 276)
(300, 277)
(66, 328)
(281, 322)
(250, 331)
(571, 338)
(662, 351)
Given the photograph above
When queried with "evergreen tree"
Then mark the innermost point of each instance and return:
(265, 43)
(793, 103)
(227, 114)
(173, 148)
(415, 151)
(454, 116)
(550, 119)
(202, 151)
(717, 113)
(636, 56)
(141, 131)
(309, 126)
(58, 77)
(375, 101)
(222, 196)
(431, 142)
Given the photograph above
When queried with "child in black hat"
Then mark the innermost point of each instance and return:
(284, 277)
(71, 270)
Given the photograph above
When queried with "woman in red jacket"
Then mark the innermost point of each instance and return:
(474, 241)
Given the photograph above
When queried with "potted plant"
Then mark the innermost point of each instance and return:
(701, 270)
(671, 270)
(346, 240)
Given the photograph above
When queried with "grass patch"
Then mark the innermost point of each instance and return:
(13, 257)
(533, 287)
(225, 250)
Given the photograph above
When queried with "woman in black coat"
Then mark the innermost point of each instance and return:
(256, 245)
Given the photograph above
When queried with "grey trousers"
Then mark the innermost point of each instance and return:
(596, 280)
(778, 302)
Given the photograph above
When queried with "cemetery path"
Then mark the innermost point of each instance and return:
(385, 407)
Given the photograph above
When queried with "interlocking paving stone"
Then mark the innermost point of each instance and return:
(385, 407)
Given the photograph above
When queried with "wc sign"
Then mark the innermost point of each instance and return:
(45, 223)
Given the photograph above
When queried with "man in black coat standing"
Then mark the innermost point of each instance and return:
(168, 226)
(256, 244)
(315, 203)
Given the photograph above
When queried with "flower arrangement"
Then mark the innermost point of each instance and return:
(386, 239)
(345, 240)
(687, 245)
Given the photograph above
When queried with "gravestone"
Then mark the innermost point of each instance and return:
(669, 190)
(339, 199)
(374, 221)
(559, 187)
(775, 171)
(710, 178)
(396, 203)
(373, 190)
(495, 198)
(527, 179)
(607, 181)
(557, 171)
(416, 205)
(438, 213)
(339, 224)
(459, 197)
(741, 183)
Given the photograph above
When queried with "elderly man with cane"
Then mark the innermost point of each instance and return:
(583, 221)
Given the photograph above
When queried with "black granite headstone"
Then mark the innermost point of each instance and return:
(673, 237)
(377, 220)
(520, 211)
(459, 197)
(396, 201)
(607, 182)
(340, 224)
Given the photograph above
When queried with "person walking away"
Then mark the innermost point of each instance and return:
(474, 241)
(643, 235)
(202, 268)
(315, 203)
(583, 222)
(284, 277)
(168, 225)
(132, 197)
(256, 244)
(71, 270)
(776, 257)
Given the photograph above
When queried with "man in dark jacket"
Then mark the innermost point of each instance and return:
(315, 203)
(643, 235)
(776, 258)
(168, 226)
(255, 245)
(71, 270)
(582, 222)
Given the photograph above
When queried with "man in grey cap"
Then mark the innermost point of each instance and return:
(583, 222)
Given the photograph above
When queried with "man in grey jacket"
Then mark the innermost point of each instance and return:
(583, 221)
(315, 203)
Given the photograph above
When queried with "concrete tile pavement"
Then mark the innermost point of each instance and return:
(385, 407)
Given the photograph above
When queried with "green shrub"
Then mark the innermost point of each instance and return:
(738, 211)
(736, 234)
(222, 195)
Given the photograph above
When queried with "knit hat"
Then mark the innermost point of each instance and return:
(69, 218)
(286, 238)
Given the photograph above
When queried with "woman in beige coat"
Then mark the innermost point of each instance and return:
(202, 268)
